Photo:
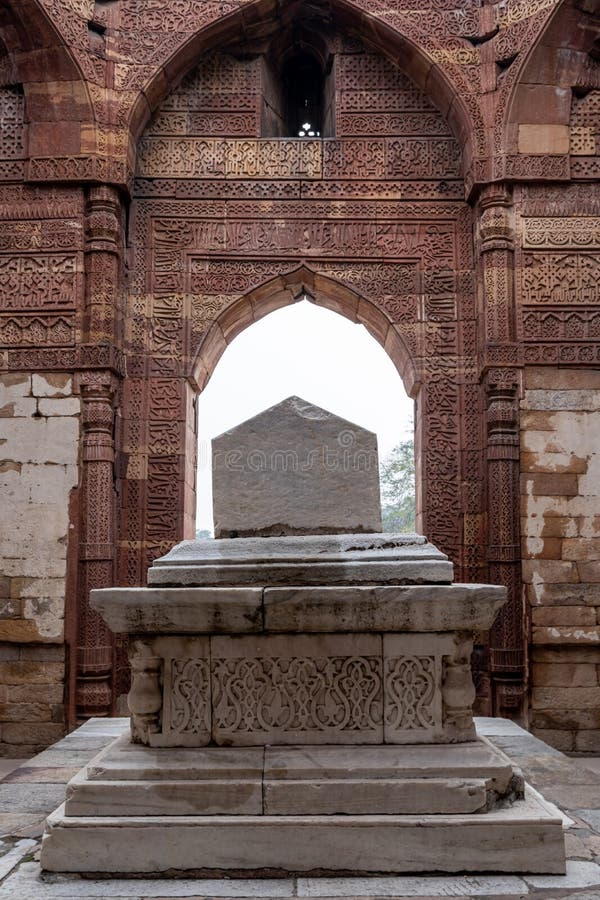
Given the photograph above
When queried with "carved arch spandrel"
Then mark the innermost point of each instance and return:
(41, 61)
(416, 51)
(302, 282)
(536, 91)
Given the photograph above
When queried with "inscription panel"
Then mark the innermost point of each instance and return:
(434, 243)
(572, 278)
(39, 282)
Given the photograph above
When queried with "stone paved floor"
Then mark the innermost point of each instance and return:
(30, 792)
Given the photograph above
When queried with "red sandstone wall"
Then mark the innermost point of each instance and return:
(454, 212)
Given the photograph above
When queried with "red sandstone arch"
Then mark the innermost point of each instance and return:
(541, 92)
(286, 289)
(407, 52)
(42, 61)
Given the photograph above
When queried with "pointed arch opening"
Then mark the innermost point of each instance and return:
(372, 393)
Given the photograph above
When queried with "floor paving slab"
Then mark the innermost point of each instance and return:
(28, 883)
(406, 886)
(580, 874)
(30, 798)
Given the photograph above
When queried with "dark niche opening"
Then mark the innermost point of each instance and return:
(303, 88)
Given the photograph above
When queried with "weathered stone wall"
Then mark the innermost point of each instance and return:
(39, 438)
(560, 465)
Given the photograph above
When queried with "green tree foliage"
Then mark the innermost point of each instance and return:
(397, 478)
(203, 534)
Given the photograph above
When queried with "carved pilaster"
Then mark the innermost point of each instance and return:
(502, 383)
(104, 243)
(458, 690)
(145, 695)
(507, 641)
(97, 548)
(496, 252)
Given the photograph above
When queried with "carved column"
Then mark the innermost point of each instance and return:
(95, 644)
(93, 659)
(502, 378)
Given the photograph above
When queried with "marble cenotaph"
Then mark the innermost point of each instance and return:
(301, 702)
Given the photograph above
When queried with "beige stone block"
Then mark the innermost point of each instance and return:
(43, 441)
(555, 571)
(553, 400)
(48, 484)
(25, 712)
(567, 720)
(31, 565)
(550, 484)
(563, 635)
(564, 615)
(46, 588)
(550, 526)
(561, 740)
(44, 536)
(574, 653)
(559, 378)
(588, 741)
(565, 697)
(564, 675)
(581, 549)
(589, 571)
(31, 672)
(21, 407)
(69, 406)
(14, 384)
(48, 615)
(9, 609)
(27, 630)
(542, 548)
(541, 139)
(535, 421)
(548, 594)
(553, 463)
(55, 384)
(42, 693)
(38, 733)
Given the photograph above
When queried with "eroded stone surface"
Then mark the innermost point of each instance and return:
(295, 469)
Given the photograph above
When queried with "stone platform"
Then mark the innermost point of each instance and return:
(32, 791)
(305, 809)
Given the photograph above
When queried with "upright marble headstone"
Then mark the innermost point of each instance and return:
(295, 469)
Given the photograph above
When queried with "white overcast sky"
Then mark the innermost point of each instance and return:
(318, 355)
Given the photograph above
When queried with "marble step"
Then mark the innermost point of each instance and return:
(524, 837)
(312, 780)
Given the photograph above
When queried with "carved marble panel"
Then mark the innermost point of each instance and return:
(413, 666)
(297, 689)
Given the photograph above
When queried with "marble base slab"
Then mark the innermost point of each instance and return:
(303, 560)
(525, 837)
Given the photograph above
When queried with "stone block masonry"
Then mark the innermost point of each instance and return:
(560, 484)
(39, 435)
